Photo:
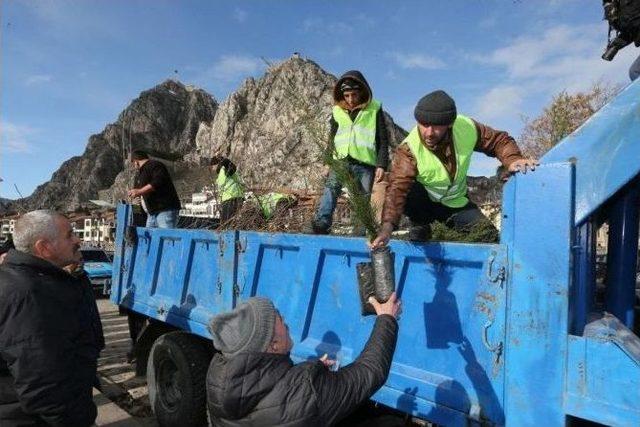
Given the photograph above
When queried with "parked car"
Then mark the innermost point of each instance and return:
(98, 265)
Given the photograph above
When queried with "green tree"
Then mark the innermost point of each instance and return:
(565, 113)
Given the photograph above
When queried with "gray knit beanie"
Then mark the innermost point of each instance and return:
(246, 329)
(436, 108)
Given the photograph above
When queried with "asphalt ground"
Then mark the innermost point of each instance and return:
(119, 384)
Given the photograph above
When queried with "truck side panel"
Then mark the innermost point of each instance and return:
(448, 366)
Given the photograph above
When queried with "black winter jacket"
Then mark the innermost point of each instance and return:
(48, 345)
(263, 389)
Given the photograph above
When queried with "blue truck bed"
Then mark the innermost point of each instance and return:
(500, 334)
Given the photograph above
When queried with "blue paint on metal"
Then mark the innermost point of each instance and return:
(584, 281)
(441, 369)
(622, 254)
(603, 374)
(537, 313)
(490, 334)
(605, 151)
(98, 269)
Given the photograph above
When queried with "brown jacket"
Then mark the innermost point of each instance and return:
(404, 168)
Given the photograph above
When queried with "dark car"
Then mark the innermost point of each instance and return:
(99, 268)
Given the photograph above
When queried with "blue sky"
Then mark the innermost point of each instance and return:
(69, 67)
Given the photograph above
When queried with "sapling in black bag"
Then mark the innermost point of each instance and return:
(376, 278)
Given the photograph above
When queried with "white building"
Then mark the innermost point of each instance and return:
(6, 228)
(202, 205)
(95, 231)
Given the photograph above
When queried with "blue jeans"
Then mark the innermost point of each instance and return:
(634, 70)
(163, 219)
(364, 174)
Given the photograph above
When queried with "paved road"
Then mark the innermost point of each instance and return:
(119, 382)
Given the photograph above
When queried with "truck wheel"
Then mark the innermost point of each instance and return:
(176, 373)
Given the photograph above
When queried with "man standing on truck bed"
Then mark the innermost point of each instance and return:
(153, 184)
(428, 178)
(357, 135)
(49, 339)
(253, 382)
(229, 189)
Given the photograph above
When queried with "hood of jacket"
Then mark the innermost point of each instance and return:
(236, 385)
(338, 99)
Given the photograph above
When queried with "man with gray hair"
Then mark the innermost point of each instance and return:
(253, 382)
(48, 345)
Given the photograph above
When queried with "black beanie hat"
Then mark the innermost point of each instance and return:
(435, 108)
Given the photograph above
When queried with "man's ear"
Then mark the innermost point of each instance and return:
(41, 248)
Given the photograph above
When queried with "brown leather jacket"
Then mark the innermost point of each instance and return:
(494, 143)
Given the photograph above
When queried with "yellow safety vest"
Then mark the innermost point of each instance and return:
(431, 172)
(357, 139)
(269, 201)
(228, 187)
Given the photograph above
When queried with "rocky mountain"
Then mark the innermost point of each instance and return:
(162, 120)
(275, 127)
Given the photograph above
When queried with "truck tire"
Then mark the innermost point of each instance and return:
(176, 374)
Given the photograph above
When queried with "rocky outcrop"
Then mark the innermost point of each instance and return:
(163, 120)
(275, 128)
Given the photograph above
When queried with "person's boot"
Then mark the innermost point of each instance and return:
(316, 227)
(419, 232)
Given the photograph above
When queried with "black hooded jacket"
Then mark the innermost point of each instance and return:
(263, 389)
(382, 137)
(49, 345)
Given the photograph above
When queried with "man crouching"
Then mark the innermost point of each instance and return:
(252, 381)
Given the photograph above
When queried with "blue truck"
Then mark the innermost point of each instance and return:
(515, 333)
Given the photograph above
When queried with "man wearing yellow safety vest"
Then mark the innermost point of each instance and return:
(428, 178)
(358, 135)
(230, 190)
(273, 204)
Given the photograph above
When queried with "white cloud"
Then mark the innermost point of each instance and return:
(232, 67)
(37, 79)
(538, 65)
(560, 58)
(318, 25)
(417, 61)
(15, 138)
(499, 101)
(240, 15)
(69, 18)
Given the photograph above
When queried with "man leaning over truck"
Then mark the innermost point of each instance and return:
(428, 178)
(253, 382)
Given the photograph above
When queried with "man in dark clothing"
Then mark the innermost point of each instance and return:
(5, 248)
(357, 135)
(49, 342)
(229, 188)
(428, 178)
(153, 184)
(253, 382)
